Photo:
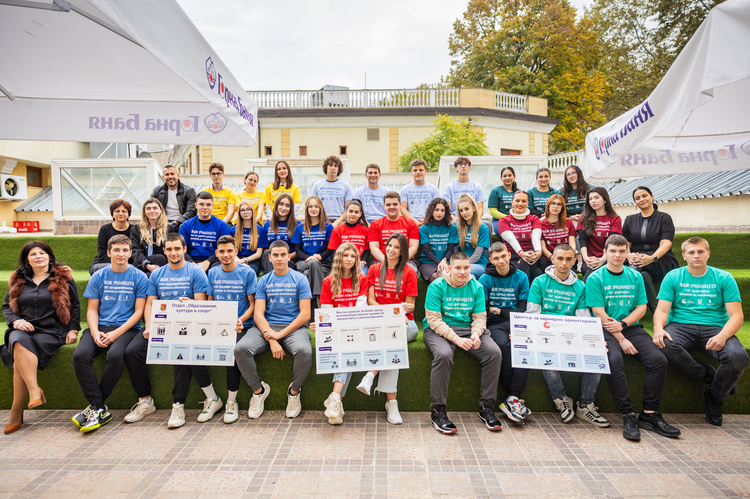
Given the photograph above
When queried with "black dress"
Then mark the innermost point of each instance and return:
(35, 306)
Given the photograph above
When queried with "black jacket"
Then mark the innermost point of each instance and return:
(185, 199)
(140, 249)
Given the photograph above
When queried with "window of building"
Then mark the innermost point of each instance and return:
(373, 134)
(34, 176)
(342, 150)
(303, 150)
(510, 152)
(269, 151)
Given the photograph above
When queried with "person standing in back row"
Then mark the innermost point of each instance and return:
(334, 192)
(464, 185)
(417, 195)
(225, 200)
(177, 198)
(371, 194)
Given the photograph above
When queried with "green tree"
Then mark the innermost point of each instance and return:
(451, 137)
(538, 48)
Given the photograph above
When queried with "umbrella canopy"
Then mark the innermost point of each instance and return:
(698, 117)
(115, 71)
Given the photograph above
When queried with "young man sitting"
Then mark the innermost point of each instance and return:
(282, 311)
(559, 292)
(381, 230)
(616, 294)
(233, 282)
(202, 231)
(700, 307)
(117, 296)
(417, 195)
(456, 316)
(506, 290)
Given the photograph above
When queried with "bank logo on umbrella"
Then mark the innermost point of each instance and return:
(210, 73)
(215, 122)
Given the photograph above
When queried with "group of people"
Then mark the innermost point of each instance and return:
(361, 248)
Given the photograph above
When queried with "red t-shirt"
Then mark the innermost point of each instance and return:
(605, 225)
(554, 236)
(521, 229)
(389, 295)
(381, 230)
(346, 298)
(356, 235)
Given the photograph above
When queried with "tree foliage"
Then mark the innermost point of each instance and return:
(451, 137)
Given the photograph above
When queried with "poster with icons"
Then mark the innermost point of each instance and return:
(192, 333)
(356, 339)
(558, 343)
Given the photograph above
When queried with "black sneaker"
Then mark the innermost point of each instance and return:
(83, 416)
(439, 419)
(630, 430)
(96, 419)
(487, 415)
(655, 422)
(713, 409)
(709, 376)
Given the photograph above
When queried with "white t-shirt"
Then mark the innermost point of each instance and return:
(454, 190)
(334, 196)
(418, 197)
(372, 201)
(172, 210)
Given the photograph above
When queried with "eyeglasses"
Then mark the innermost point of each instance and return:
(463, 164)
(555, 204)
(571, 174)
(246, 211)
(216, 174)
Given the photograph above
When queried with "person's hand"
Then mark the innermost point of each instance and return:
(185, 298)
(269, 334)
(151, 267)
(612, 325)
(635, 259)
(204, 265)
(659, 335)
(494, 311)
(23, 325)
(408, 307)
(646, 260)
(99, 338)
(71, 337)
(312, 327)
(574, 218)
(628, 347)
(313, 257)
(276, 350)
(715, 343)
(464, 343)
(535, 255)
(238, 327)
(420, 222)
(476, 341)
(145, 332)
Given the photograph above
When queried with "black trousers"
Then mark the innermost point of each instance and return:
(96, 392)
(652, 358)
(182, 377)
(512, 380)
(531, 271)
(135, 359)
(234, 376)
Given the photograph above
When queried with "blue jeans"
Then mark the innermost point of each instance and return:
(477, 270)
(589, 384)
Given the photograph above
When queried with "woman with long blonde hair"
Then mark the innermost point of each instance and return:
(283, 183)
(473, 235)
(253, 240)
(147, 238)
(281, 225)
(310, 242)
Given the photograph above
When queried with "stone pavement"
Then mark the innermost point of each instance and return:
(368, 458)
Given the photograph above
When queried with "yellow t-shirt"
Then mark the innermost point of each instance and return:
(272, 194)
(255, 199)
(222, 200)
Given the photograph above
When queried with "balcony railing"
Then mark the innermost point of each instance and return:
(375, 98)
(559, 162)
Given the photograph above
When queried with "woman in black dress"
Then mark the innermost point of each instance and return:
(650, 234)
(120, 211)
(43, 313)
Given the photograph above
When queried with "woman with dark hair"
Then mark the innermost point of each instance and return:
(650, 234)
(120, 210)
(598, 220)
(538, 196)
(354, 230)
(522, 233)
(574, 191)
(438, 239)
(501, 197)
(43, 313)
(252, 194)
(310, 241)
(283, 183)
(281, 226)
(252, 239)
(556, 227)
(147, 238)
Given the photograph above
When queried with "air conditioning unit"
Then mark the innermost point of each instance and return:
(13, 188)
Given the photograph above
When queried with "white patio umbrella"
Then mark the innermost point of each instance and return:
(698, 117)
(115, 71)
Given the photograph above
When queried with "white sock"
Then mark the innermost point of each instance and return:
(210, 392)
(148, 400)
(179, 405)
(335, 396)
(232, 396)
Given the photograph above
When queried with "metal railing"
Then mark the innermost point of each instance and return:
(559, 162)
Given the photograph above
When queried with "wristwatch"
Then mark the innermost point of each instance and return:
(654, 257)
(624, 324)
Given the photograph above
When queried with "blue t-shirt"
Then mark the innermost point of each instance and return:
(483, 240)
(282, 234)
(454, 190)
(316, 242)
(200, 237)
(245, 247)
(168, 284)
(116, 292)
(418, 197)
(334, 196)
(236, 285)
(504, 292)
(282, 294)
(438, 237)
(372, 202)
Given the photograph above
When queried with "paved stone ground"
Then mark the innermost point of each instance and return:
(368, 458)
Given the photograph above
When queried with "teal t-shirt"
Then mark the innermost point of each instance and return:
(538, 199)
(618, 294)
(482, 241)
(501, 199)
(438, 237)
(455, 304)
(556, 298)
(699, 300)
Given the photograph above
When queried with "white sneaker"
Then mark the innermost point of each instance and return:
(257, 403)
(232, 412)
(209, 409)
(365, 385)
(392, 414)
(293, 405)
(335, 410)
(177, 418)
(328, 401)
(140, 410)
